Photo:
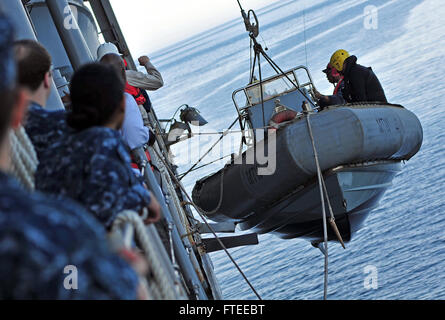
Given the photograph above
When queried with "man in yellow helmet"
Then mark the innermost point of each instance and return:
(336, 98)
(361, 83)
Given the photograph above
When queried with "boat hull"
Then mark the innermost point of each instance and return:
(344, 135)
(354, 191)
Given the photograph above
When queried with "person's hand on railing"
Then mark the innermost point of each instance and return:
(138, 262)
(154, 211)
(321, 99)
(317, 94)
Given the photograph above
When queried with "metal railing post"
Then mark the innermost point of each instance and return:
(24, 30)
(181, 253)
(72, 39)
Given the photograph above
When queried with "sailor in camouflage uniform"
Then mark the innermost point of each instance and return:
(43, 126)
(92, 163)
(93, 167)
(54, 122)
(41, 236)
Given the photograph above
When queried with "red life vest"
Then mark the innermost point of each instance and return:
(338, 86)
(134, 164)
(136, 93)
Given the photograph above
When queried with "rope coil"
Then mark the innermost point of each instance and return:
(199, 211)
(23, 157)
(162, 285)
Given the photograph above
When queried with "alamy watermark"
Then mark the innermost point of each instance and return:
(371, 280)
(262, 154)
(70, 281)
(371, 18)
(70, 18)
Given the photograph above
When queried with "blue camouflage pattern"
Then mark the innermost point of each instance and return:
(92, 166)
(7, 65)
(41, 235)
(45, 127)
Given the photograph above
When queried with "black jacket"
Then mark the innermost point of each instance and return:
(361, 83)
(335, 99)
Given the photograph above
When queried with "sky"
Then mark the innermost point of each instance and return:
(150, 25)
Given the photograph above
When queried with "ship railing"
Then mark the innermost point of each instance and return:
(279, 83)
(161, 283)
(274, 87)
(195, 273)
(183, 242)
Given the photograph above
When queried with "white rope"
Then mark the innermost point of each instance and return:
(325, 228)
(165, 288)
(200, 213)
(23, 157)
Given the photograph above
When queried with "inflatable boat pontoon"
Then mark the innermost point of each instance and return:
(360, 149)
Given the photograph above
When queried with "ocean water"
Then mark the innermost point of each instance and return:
(404, 239)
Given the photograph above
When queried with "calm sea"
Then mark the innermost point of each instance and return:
(404, 239)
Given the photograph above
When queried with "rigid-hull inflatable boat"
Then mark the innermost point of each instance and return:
(360, 149)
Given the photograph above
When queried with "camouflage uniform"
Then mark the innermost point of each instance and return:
(44, 127)
(93, 167)
(40, 236)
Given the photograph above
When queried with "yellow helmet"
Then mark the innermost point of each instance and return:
(338, 59)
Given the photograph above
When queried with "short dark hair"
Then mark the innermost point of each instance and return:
(7, 100)
(33, 62)
(117, 62)
(96, 92)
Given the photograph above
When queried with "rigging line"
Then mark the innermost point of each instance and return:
(240, 5)
(332, 218)
(266, 48)
(193, 134)
(273, 67)
(261, 90)
(252, 70)
(259, 50)
(226, 132)
(178, 183)
(250, 54)
(324, 194)
(210, 149)
(205, 165)
(304, 31)
(325, 231)
(287, 77)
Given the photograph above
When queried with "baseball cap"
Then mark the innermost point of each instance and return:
(328, 67)
(105, 49)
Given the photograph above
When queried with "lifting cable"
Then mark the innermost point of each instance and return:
(253, 33)
(177, 182)
(253, 30)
